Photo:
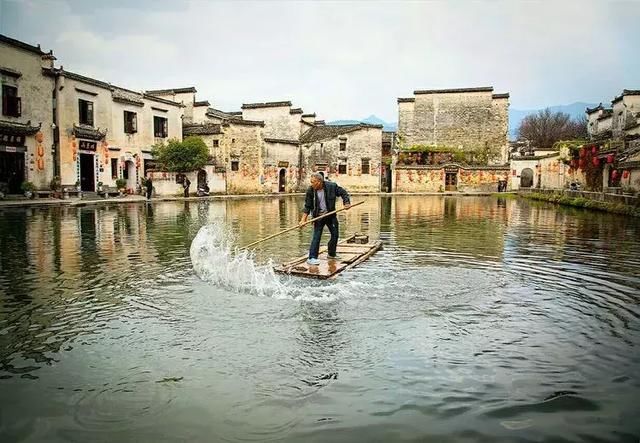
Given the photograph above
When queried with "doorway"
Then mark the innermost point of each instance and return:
(11, 172)
(129, 174)
(202, 179)
(87, 173)
(526, 178)
(451, 181)
(282, 180)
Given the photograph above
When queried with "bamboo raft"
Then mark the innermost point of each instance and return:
(351, 252)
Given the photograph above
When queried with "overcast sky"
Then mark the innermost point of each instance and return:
(342, 59)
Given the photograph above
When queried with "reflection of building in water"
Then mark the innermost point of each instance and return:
(463, 225)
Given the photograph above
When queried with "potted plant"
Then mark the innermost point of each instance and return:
(121, 184)
(29, 189)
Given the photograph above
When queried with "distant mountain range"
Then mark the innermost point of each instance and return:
(575, 110)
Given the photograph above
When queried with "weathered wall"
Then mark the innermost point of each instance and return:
(499, 129)
(365, 143)
(109, 116)
(279, 123)
(35, 92)
(277, 157)
(465, 120)
(429, 179)
(164, 183)
(548, 173)
(244, 144)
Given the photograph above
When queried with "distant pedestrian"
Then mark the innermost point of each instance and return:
(185, 184)
(149, 185)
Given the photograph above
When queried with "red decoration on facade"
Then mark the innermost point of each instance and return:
(581, 163)
(614, 174)
(610, 158)
(594, 149)
(625, 174)
(595, 161)
(583, 152)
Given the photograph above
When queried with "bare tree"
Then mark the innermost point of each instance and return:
(545, 128)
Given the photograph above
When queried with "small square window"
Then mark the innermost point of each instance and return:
(11, 103)
(343, 145)
(342, 169)
(216, 143)
(160, 127)
(130, 122)
(365, 166)
(235, 165)
(85, 111)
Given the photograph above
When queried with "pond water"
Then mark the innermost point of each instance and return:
(482, 319)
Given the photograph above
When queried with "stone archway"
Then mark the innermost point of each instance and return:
(526, 178)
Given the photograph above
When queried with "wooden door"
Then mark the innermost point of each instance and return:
(451, 181)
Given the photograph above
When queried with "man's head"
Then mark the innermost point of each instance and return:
(317, 181)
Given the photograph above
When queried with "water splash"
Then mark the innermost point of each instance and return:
(216, 260)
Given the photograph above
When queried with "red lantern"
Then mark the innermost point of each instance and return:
(595, 161)
(610, 158)
(594, 149)
(625, 174)
(614, 174)
(581, 163)
(583, 152)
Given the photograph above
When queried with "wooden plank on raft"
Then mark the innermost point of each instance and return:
(349, 255)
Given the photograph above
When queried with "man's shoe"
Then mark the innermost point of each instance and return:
(313, 261)
(333, 257)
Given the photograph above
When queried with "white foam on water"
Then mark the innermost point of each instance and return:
(216, 260)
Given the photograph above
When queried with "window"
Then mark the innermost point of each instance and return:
(114, 168)
(342, 168)
(130, 122)
(365, 166)
(343, 145)
(11, 103)
(85, 112)
(160, 127)
(216, 143)
(235, 165)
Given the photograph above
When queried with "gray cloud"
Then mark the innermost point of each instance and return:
(342, 60)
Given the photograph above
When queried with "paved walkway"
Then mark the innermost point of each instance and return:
(140, 199)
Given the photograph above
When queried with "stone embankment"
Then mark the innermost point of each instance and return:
(615, 203)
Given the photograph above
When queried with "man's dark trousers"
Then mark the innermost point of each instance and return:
(332, 223)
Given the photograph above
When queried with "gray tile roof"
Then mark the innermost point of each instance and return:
(266, 105)
(203, 129)
(172, 91)
(324, 132)
(454, 90)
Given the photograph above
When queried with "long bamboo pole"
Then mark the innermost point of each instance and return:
(299, 226)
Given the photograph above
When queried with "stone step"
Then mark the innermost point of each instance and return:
(90, 196)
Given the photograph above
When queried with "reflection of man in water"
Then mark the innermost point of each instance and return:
(149, 186)
(320, 199)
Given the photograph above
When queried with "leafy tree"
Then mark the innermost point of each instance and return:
(545, 128)
(181, 156)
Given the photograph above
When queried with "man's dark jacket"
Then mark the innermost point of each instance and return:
(331, 191)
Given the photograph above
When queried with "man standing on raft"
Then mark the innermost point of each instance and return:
(320, 199)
